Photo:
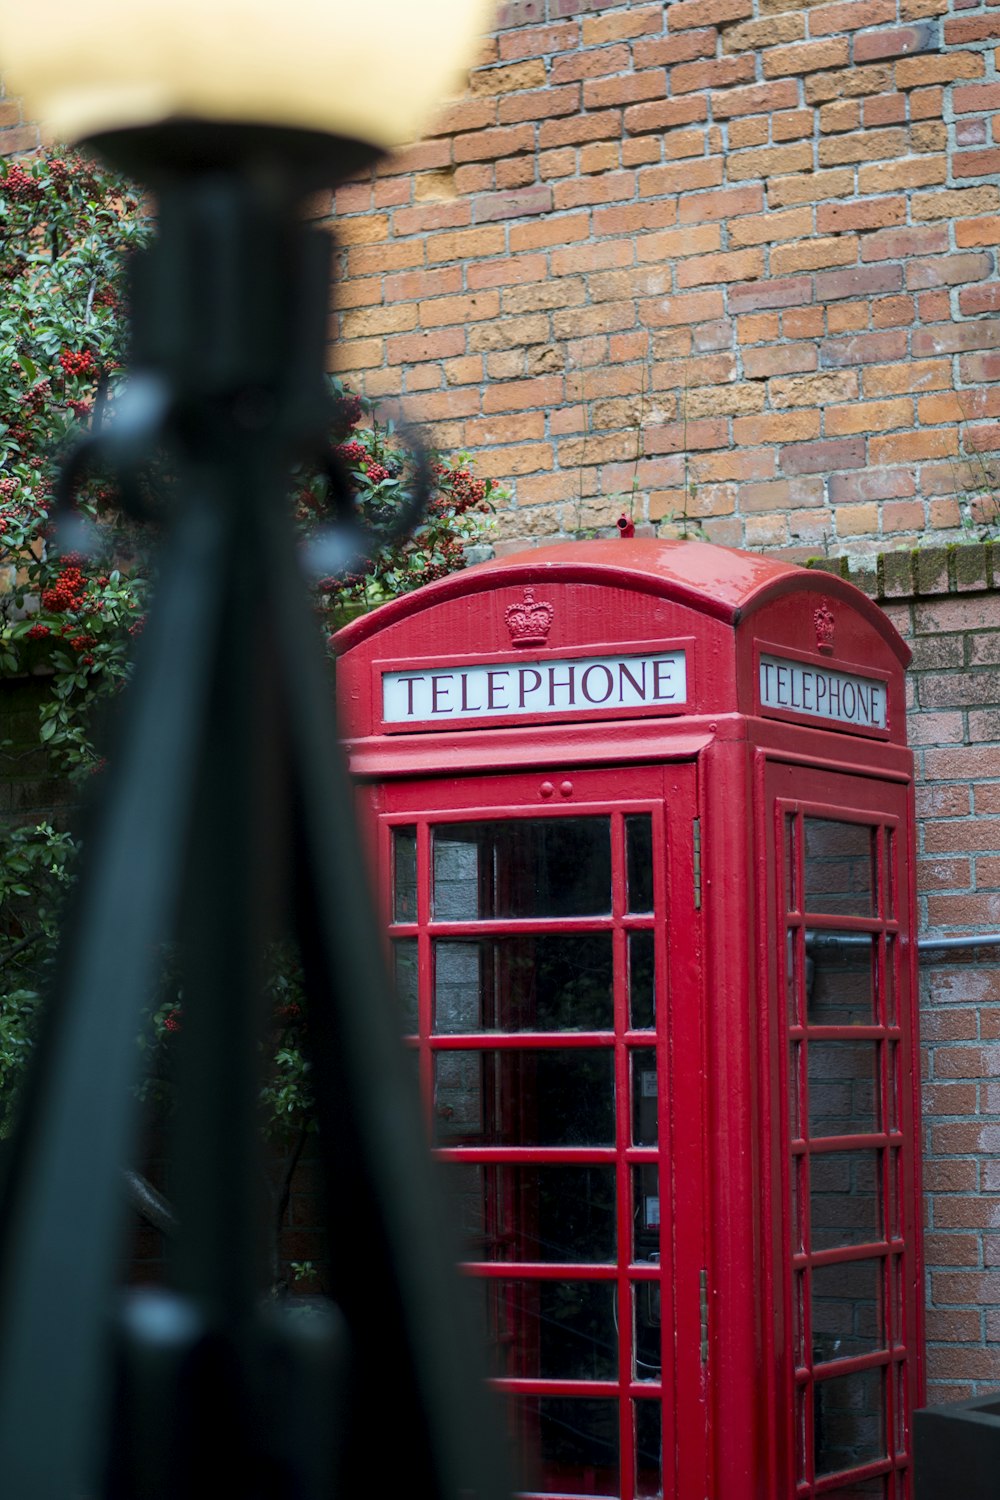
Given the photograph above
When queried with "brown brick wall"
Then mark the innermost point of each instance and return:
(742, 245)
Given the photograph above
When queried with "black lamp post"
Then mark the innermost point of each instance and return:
(229, 814)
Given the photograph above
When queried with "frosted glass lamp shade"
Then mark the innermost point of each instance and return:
(368, 70)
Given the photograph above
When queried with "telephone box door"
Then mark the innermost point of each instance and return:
(844, 1074)
(544, 937)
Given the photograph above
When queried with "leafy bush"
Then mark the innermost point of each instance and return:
(66, 226)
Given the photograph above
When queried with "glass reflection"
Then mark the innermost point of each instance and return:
(642, 981)
(847, 1309)
(405, 978)
(843, 1087)
(639, 862)
(645, 1129)
(845, 1198)
(404, 874)
(553, 1330)
(849, 1423)
(840, 979)
(648, 1450)
(522, 867)
(839, 867)
(569, 1445)
(536, 1213)
(515, 1097)
(557, 982)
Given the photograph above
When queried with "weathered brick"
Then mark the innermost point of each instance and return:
(708, 74)
(758, 97)
(847, 84)
(664, 114)
(862, 281)
(502, 80)
(898, 244)
(707, 12)
(866, 145)
(806, 57)
(602, 125)
(879, 213)
(876, 45)
(628, 88)
(622, 25)
(811, 187)
(812, 255)
(821, 457)
(917, 72)
(852, 15)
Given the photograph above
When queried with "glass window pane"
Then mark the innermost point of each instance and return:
(536, 1213)
(642, 981)
(639, 862)
(839, 862)
(861, 1489)
(644, 1097)
(849, 1424)
(847, 1309)
(405, 976)
(646, 1212)
(840, 967)
(791, 870)
(648, 1450)
(522, 867)
(646, 1357)
(404, 874)
(795, 1090)
(846, 1199)
(552, 1330)
(541, 1097)
(796, 1190)
(557, 982)
(569, 1446)
(843, 1087)
(793, 991)
(798, 1317)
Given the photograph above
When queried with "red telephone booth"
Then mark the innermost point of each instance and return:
(643, 814)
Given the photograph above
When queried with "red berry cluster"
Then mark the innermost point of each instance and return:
(77, 362)
(66, 594)
(172, 1020)
(20, 186)
(82, 642)
(347, 412)
(352, 453)
(376, 472)
(80, 409)
(38, 632)
(466, 491)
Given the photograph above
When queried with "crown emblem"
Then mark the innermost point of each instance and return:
(529, 620)
(823, 620)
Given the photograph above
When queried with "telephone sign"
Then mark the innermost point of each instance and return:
(642, 817)
(572, 684)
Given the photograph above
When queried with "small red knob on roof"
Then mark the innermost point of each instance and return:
(625, 526)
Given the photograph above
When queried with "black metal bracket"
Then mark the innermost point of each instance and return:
(229, 817)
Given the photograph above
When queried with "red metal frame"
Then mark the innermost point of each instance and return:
(791, 794)
(729, 1277)
(615, 795)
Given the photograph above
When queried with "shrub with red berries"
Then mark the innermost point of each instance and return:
(65, 227)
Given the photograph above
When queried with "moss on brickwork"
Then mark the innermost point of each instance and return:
(961, 568)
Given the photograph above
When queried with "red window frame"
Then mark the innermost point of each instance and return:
(668, 796)
(795, 794)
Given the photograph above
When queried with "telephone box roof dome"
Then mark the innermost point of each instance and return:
(719, 581)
